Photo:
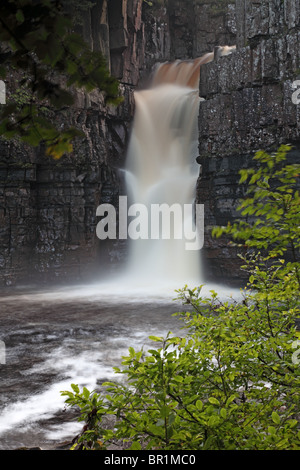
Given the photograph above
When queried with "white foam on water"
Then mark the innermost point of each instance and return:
(83, 369)
(123, 289)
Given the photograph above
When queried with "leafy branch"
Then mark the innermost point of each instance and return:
(51, 61)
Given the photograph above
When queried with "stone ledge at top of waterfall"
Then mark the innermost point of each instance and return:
(182, 222)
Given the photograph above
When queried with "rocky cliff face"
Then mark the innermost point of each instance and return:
(48, 208)
(248, 107)
(196, 27)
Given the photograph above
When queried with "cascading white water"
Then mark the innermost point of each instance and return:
(86, 328)
(162, 169)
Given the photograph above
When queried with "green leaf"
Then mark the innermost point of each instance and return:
(158, 339)
(160, 422)
(199, 405)
(135, 446)
(230, 399)
(214, 420)
(164, 411)
(20, 16)
(131, 351)
(272, 430)
(213, 401)
(178, 378)
(75, 388)
(275, 417)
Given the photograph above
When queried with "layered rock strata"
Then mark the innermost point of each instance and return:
(48, 208)
(248, 106)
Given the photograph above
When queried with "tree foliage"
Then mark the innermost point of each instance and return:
(231, 382)
(271, 205)
(38, 44)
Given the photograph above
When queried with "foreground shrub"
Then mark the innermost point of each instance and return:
(232, 380)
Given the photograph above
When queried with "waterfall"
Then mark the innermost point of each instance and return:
(161, 169)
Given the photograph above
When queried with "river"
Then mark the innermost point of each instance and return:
(69, 335)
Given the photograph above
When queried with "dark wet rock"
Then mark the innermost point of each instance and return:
(247, 107)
